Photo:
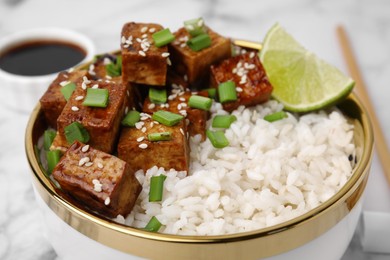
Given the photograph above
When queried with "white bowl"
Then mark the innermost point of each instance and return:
(21, 93)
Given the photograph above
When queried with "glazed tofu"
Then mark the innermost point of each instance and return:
(142, 61)
(178, 103)
(246, 71)
(53, 101)
(195, 66)
(98, 180)
(102, 124)
(97, 69)
(135, 148)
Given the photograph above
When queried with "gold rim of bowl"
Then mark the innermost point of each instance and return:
(247, 245)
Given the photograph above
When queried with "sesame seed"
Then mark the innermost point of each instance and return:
(144, 29)
(88, 164)
(100, 165)
(190, 27)
(64, 83)
(145, 115)
(152, 30)
(140, 139)
(183, 104)
(95, 86)
(183, 112)
(78, 98)
(182, 99)
(123, 39)
(252, 55)
(74, 108)
(151, 106)
(83, 161)
(169, 62)
(107, 201)
(185, 77)
(84, 85)
(143, 129)
(139, 124)
(85, 148)
(128, 93)
(143, 146)
(151, 124)
(182, 45)
(238, 89)
(138, 40)
(165, 54)
(144, 36)
(182, 131)
(126, 110)
(200, 23)
(142, 53)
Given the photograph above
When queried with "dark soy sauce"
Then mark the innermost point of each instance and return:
(35, 58)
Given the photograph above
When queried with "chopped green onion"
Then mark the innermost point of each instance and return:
(131, 118)
(115, 69)
(153, 225)
(217, 138)
(212, 92)
(227, 92)
(76, 131)
(163, 136)
(158, 96)
(195, 26)
(156, 188)
(200, 102)
(67, 90)
(275, 116)
(53, 157)
(199, 42)
(96, 97)
(166, 117)
(48, 137)
(162, 37)
(223, 121)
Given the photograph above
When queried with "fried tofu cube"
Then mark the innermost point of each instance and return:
(97, 69)
(247, 72)
(102, 124)
(53, 101)
(135, 148)
(142, 61)
(195, 66)
(178, 103)
(100, 181)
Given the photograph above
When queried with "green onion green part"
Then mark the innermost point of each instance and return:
(153, 225)
(223, 121)
(67, 90)
(48, 137)
(158, 96)
(76, 131)
(162, 37)
(217, 138)
(114, 69)
(53, 157)
(275, 116)
(131, 118)
(227, 92)
(166, 117)
(195, 26)
(156, 188)
(199, 42)
(163, 136)
(200, 102)
(96, 97)
(212, 92)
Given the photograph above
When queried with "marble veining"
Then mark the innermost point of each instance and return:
(311, 22)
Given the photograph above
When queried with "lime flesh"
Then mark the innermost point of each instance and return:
(301, 81)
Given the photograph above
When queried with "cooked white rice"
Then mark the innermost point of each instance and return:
(270, 173)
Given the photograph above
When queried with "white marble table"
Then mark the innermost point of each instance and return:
(311, 22)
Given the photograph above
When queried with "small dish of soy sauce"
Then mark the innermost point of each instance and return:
(30, 60)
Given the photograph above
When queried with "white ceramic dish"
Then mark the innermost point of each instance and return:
(21, 93)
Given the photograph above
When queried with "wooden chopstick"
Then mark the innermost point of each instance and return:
(361, 90)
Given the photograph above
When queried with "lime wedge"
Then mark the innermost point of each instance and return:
(302, 82)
